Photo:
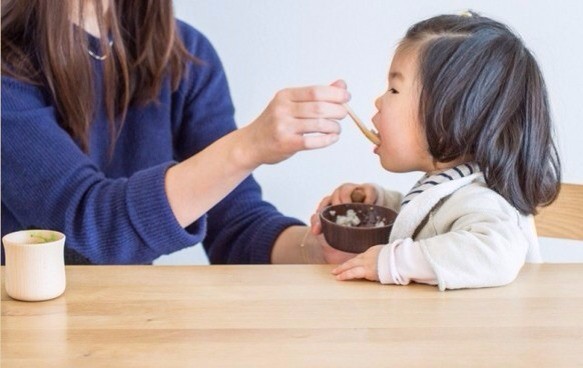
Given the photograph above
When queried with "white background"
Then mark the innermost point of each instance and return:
(267, 45)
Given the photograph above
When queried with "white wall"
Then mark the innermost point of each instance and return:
(268, 45)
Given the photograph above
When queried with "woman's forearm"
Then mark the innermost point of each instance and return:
(195, 185)
(297, 244)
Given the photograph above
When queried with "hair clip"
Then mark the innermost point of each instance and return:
(466, 14)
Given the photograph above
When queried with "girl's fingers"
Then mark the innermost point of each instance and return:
(353, 262)
(325, 202)
(357, 272)
(345, 193)
(342, 193)
(335, 197)
(370, 194)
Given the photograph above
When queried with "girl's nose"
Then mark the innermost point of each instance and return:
(377, 103)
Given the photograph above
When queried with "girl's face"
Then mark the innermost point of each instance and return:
(403, 145)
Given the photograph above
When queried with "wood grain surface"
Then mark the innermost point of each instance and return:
(293, 316)
(564, 217)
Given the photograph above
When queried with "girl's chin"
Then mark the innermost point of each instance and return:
(391, 166)
(386, 164)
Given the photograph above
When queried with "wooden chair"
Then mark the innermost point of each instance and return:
(564, 217)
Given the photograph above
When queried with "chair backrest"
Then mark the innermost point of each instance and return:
(564, 217)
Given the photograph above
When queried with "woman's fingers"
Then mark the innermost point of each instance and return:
(319, 141)
(339, 83)
(316, 227)
(318, 125)
(319, 109)
(296, 119)
(332, 93)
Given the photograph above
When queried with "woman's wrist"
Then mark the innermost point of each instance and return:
(311, 250)
(245, 149)
(184, 187)
(297, 245)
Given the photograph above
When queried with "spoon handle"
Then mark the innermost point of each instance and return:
(367, 133)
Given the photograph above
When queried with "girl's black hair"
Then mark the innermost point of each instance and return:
(483, 96)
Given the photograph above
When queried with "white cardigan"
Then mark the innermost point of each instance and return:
(468, 235)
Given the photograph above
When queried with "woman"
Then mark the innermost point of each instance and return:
(117, 129)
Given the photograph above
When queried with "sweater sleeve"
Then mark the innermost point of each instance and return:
(242, 228)
(48, 182)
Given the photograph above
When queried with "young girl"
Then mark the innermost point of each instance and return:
(466, 104)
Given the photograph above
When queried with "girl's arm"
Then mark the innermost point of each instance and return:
(477, 241)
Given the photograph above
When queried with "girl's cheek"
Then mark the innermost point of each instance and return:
(375, 121)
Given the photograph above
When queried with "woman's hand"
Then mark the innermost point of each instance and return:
(330, 255)
(286, 125)
(280, 131)
(363, 266)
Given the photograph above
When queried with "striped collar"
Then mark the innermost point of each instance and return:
(429, 181)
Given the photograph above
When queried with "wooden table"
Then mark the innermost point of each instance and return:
(279, 316)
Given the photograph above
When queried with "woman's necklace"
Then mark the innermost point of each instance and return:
(100, 57)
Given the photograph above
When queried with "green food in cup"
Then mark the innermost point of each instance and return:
(42, 238)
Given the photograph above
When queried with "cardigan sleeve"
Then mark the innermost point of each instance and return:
(48, 182)
(480, 242)
(388, 198)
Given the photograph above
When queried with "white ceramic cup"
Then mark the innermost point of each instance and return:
(35, 264)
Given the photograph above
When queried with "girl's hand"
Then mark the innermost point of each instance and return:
(363, 266)
(285, 126)
(342, 194)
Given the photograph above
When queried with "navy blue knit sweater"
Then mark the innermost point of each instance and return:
(114, 210)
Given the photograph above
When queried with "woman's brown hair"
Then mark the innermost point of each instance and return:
(483, 96)
(41, 45)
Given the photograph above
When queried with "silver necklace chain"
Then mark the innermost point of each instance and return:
(100, 57)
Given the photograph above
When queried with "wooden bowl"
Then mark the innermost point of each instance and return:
(357, 238)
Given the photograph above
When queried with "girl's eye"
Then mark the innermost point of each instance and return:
(393, 91)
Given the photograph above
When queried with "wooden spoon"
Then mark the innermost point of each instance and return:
(371, 135)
